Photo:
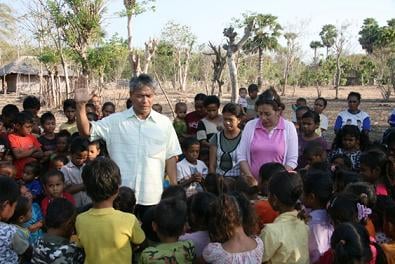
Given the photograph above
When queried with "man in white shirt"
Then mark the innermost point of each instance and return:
(142, 142)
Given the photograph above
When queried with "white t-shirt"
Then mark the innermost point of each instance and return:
(185, 169)
(323, 124)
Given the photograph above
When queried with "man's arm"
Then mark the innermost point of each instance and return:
(171, 169)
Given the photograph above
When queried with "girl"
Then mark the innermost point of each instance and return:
(316, 195)
(319, 106)
(350, 141)
(230, 242)
(223, 145)
(310, 122)
(286, 239)
(53, 182)
(375, 168)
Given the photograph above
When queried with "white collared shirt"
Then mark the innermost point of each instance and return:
(140, 149)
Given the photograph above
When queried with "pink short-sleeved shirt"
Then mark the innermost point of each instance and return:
(267, 146)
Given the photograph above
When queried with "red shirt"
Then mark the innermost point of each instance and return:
(22, 143)
(265, 213)
(47, 200)
(192, 120)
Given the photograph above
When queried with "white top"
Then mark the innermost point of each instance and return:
(323, 124)
(72, 175)
(140, 148)
(242, 102)
(185, 169)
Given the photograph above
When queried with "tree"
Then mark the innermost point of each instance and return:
(264, 37)
(328, 36)
(290, 57)
(369, 34)
(339, 46)
(7, 21)
(315, 45)
(218, 66)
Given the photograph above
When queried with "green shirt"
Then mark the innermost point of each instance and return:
(177, 252)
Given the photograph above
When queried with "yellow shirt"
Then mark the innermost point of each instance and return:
(72, 128)
(286, 240)
(107, 234)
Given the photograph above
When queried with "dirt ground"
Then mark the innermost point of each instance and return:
(372, 103)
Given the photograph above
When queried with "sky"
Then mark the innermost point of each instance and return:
(208, 18)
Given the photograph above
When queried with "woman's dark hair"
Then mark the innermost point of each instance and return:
(31, 102)
(343, 208)
(52, 173)
(233, 109)
(355, 94)
(353, 131)
(45, 117)
(344, 177)
(125, 200)
(187, 142)
(211, 99)
(9, 190)
(200, 97)
(323, 100)
(313, 115)
(269, 97)
(320, 184)
(287, 187)
(69, 103)
(108, 104)
(171, 223)
(101, 178)
(176, 192)
(198, 210)
(350, 242)
(23, 206)
(59, 211)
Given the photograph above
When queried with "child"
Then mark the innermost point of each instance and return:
(93, 150)
(314, 154)
(53, 182)
(310, 123)
(126, 200)
(319, 106)
(12, 244)
(8, 114)
(35, 223)
(7, 169)
(72, 171)
(286, 239)
(48, 137)
(169, 227)
(242, 101)
(96, 103)
(107, 109)
(300, 102)
(55, 245)
(157, 108)
(389, 229)
(58, 161)
(299, 112)
(62, 143)
(374, 168)
(69, 108)
(341, 161)
(92, 116)
(179, 123)
(198, 217)
(90, 108)
(253, 90)
(317, 191)
(344, 177)
(191, 171)
(24, 145)
(31, 104)
(194, 117)
(230, 243)
(349, 141)
(106, 234)
(31, 174)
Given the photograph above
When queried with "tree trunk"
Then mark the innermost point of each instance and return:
(315, 56)
(260, 67)
(337, 79)
(232, 76)
(52, 87)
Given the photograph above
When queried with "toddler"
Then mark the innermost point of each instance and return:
(31, 174)
(93, 150)
(242, 101)
(179, 123)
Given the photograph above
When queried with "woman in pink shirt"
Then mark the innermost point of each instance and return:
(268, 138)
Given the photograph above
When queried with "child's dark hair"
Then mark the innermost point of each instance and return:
(31, 102)
(249, 217)
(101, 178)
(62, 158)
(59, 211)
(233, 109)
(346, 160)
(375, 159)
(9, 190)
(23, 206)
(198, 210)
(125, 200)
(78, 145)
(323, 100)
(313, 115)
(158, 106)
(95, 143)
(69, 103)
(108, 104)
(389, 211)
(365, 192)
(214, 184)
(267, 170)
(242, 186)
(313, 148)
(45, 117)
(287, 187)
(180, 104)
(63, 133)
(242, 89)
(344, 177)
(172, 223)
(343, 208)
(253, 88)
(23, 118)
(92, 116)
(200, 97)
(211, 99)
(187, 142)
(355, 94)
(89, 105)
(352, 131)
(302, 108)
(320, 184)
(351, 244)
(52, 173)
(301, 100)
(36, 167)
(176, 192)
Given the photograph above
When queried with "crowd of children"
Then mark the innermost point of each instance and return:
(61, 199)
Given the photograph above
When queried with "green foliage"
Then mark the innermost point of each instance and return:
(49, 57)
(133, 7)
(177, 35)
(163, 62)
(328, 35)
(316, 44)
(369, 34)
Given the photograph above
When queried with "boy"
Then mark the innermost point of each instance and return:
(24, 145)
(299, 103)
(48, 137)
(32, 105)
(242, 101)
(69, 107)
(253, 90)
(169, 227)
(106, 234)
(72, 171)
(194, 117)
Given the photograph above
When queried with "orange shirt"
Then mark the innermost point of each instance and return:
(265, 213)
(22, 143)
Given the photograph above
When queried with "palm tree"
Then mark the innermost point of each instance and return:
(7, 20)
(328, 36)
(315, 45)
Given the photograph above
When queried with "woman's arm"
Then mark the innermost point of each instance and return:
(291, 157)
(245, 169)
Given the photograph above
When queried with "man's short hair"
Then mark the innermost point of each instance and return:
(141, 81)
